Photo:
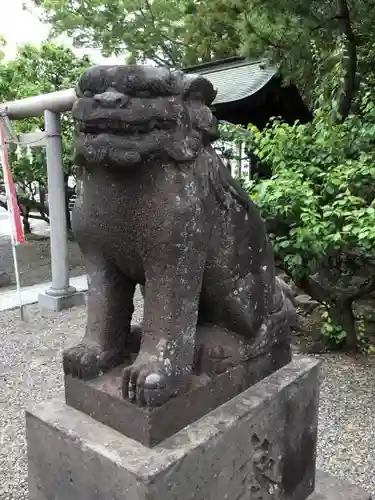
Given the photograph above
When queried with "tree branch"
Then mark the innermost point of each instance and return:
(265, 39)
(307, 284)
(165, 48)
(177, 42)
(368, 3)
(39, 217)
(327, 293)
(29, 204)
(161, 61)
(348, 89)
(325, 22)
(355, 286)
(348, 293)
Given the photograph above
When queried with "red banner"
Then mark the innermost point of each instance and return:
(13, 208)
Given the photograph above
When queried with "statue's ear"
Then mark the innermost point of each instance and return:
(78, 90)
(204, 121)
(184, 147)
(198, 88)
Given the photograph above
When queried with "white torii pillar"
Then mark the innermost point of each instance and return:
(60, 295)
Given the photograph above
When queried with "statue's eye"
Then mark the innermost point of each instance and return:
(88, 93)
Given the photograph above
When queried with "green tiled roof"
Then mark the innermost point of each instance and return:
(235, 79)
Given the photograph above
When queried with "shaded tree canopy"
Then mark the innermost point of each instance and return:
(141, 29)
(324, 46)
(167, 32)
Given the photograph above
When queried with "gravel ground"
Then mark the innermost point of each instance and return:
(30, 370)
(346, 445)
(34, 261)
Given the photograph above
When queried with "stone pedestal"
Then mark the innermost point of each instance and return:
(101, 397)
(57, 303)
(260, 445)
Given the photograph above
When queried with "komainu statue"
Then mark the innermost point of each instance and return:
(157, 207)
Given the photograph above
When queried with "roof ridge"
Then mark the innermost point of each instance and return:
(230, 66)
(221, 64)
(210, 64)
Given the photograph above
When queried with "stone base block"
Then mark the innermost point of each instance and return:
(260, 445)
(328, 487)
(59, 303)
(101, 398)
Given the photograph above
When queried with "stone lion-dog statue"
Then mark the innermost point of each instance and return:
(157, 207)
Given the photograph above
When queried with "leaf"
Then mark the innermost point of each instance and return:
(284, 244)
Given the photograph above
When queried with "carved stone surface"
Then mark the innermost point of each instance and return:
(101, 397)
(156, 206)
(260, 445)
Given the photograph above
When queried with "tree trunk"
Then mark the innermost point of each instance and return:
(26, 224)
(42, 195)
(340, 311)
(349, 85)
(68, 217)
(67, 211)
(341, 314)
(25, 212)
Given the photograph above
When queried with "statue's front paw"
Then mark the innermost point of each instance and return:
(87, 361)
(147, 384)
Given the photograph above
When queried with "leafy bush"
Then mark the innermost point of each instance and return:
(319, 206)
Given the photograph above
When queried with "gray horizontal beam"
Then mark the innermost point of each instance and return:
(57, 102)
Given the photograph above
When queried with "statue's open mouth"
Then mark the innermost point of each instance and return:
(119, 127)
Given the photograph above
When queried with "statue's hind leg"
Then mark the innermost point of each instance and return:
(242, 323)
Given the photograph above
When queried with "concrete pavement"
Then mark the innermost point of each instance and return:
(9, 299)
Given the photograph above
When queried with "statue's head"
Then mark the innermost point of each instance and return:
(130, 114)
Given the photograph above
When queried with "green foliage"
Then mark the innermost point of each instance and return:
(325, 46)
(322, 191)
(334, 335)
(319, 203)
(318, 44)
(167, 32)
(2, 46)
(34, 71)
(211, 31)
(142, 29)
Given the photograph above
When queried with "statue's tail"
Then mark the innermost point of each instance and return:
(286, 289)
(277, 328)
